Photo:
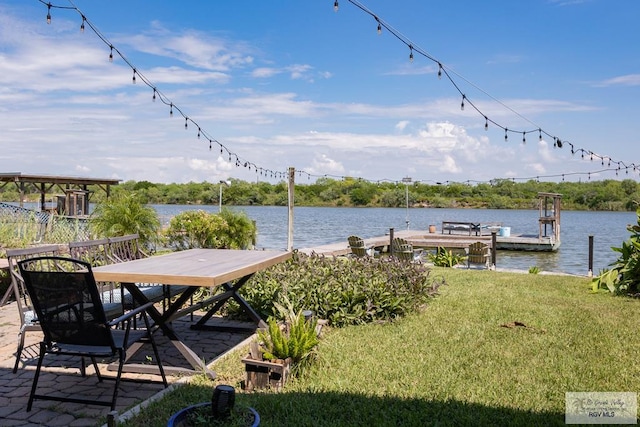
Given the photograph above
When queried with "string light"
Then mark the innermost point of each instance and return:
(524, 137)
(335, 5)
(486, 123)
(158, 95)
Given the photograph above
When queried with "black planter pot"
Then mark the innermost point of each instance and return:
(179, 419)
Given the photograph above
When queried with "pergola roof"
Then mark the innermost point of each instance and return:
(44, 183)
(19, 177)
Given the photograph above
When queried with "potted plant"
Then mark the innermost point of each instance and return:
(220, 411)
(282, 347)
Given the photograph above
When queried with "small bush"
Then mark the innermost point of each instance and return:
(200, 229)
(344, 291)
(624, 275)
(445, 258)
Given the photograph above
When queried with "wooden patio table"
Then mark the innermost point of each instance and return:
(196, 268)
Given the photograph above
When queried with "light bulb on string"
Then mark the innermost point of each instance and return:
(49, 13)
(540, 134)
(199, 137)
(82, 25)
(410, 53)
(171, 109)
(186, 123)
(486, 123)
(506, 135)
(134, 76)
(111, 54)
(462, 103)
(439, 70)
(524, 137)
(335, 6)
(154, 94)
(209, 145)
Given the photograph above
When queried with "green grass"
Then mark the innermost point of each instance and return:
(454, 363)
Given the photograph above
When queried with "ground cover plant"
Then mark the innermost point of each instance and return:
(493, 349)
(343, 291)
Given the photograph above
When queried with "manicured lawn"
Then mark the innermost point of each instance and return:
(462, 361)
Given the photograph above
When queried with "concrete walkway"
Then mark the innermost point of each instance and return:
(63, 378)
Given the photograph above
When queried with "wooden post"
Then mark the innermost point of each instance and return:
(292, 179)
(494, 251)
(391, 241)
(590, 272)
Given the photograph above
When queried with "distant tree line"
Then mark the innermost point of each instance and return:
(606, 195)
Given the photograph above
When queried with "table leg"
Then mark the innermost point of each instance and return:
(231, 292)
(160, 320)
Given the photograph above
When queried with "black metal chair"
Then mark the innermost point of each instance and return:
(68, 305)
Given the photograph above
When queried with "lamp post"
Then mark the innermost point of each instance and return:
(222, 182)
(407, 181)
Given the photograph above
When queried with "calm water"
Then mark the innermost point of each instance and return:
(319, 226)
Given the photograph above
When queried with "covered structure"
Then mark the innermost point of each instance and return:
(74, 201)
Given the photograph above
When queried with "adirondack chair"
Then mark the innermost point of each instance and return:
(359, 249)
(478, 253)
(404, 251)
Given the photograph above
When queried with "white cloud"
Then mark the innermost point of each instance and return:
(626, 80)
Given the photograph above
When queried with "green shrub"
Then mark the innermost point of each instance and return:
(534, 269)
(624, 275)
(200, 229)
(344, 291)
(446, 258)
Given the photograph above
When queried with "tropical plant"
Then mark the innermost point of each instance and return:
(124, 214)
(445, 258)
(534, 269)
(200, 229)
(624, 274)
(295, 339)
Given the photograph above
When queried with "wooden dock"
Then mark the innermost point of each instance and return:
(426, 240)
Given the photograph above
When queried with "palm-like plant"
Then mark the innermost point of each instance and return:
(624, 274)
(124, 214)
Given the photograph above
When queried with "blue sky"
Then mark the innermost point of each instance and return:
(297, 84)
